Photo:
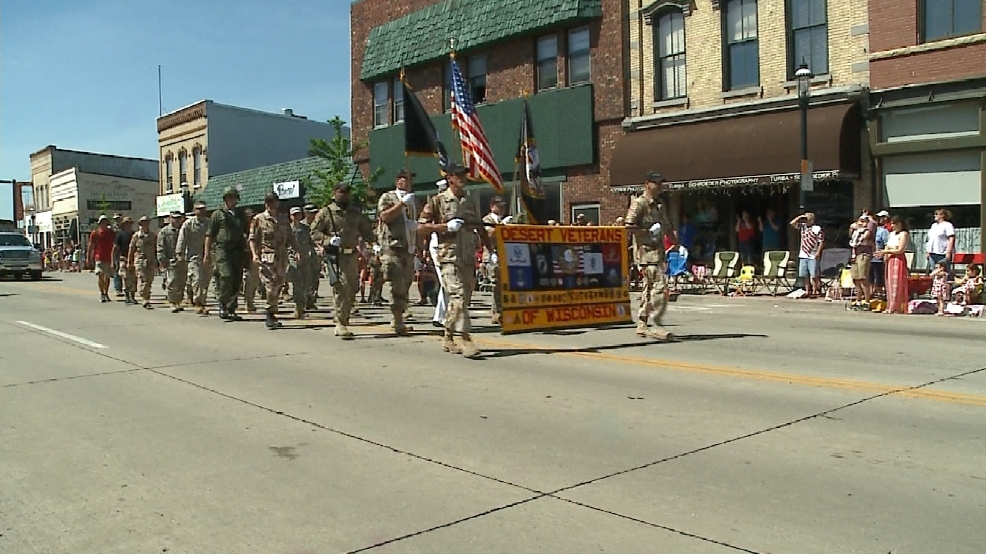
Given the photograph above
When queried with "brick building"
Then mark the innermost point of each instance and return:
(928, 75)
(567, 54)
(714, 108)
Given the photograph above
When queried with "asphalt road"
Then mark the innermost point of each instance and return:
(773, 426)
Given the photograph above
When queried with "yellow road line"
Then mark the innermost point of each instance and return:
(690, 367)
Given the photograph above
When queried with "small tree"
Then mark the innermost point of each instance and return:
(339, 153)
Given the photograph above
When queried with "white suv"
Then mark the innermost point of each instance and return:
(18, 257)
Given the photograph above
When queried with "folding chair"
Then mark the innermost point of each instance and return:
(775, 266)
(677, 266)
(831, 264)
(726, 263)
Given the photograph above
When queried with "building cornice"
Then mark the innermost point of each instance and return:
(957, 42)
(184, 115)
(829, 95)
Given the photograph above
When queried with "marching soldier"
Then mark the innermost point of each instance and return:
(498, 208)
(227, 234)
(648, 221)
(397, 236)
(339, 228)
(142, 258)
(251, 272)
(191, 250)
(315, 266)
(176, 270)
(270, 237)
(454, 218)
(301, 267)
(121, 251)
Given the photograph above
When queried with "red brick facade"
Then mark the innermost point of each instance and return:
(894, 25)
(510, 70)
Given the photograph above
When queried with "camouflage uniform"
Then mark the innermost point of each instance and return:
(300, 270)
(398, 242)
(227, 231)
(272, 236)
(190, 248)
(349, 224)
(143, 245)
(176, 270)
(490, 221)
(456, 254)
(376, 279)
(648, 248)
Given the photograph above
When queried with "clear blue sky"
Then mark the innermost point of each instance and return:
(83, 74)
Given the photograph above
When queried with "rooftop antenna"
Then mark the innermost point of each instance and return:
(160, 97)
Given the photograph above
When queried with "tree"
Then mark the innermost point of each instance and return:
(339, 153)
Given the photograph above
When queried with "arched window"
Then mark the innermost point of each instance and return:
(182, 166)
(669, 40)
(169, 176)
(197, 166)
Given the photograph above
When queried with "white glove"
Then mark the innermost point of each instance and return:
(411, 225)
(655, 229)
(377, 248)
(408, 199)
(335, 241)
(507, 220)
(454, 225)
(494, 259)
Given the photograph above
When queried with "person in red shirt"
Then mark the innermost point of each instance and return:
(100, 255)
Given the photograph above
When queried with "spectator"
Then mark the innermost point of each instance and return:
(896, 266)
(939, 286)
(969, 290)
(812, 243)
(745, 232)
(687, 232)
(941, 239)
(864, 237)
(770, 231)
(877, 270)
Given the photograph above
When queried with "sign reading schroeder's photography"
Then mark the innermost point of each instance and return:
(556, 277)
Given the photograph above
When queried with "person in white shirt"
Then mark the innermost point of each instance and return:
(438, 320)
(941, 239)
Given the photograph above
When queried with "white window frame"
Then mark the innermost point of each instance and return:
(543, 59)
(576, 209)
(380, 104)
(573, 54)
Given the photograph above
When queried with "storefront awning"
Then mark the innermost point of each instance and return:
(742, 150)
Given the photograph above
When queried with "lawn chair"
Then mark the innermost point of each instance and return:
(726, 264)
(677, 267)
(775, 266)
(746, 283)
(831, 264)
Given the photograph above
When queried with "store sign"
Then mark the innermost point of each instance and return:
(170, 203)
(288, 190)
(555, 277)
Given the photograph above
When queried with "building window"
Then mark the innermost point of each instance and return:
(169, 176)
(950, 18)
(547, 59)
(380, 98)
(182, 167)
(477, 78)
(583, 214)
(398, 101)
(578, 56)
(197, 166)
(670, 39)
(808, 36)
(741, 58)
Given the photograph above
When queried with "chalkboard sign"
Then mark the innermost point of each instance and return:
(832, 204)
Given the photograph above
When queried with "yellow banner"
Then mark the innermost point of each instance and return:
(562, 276)
(588, 315)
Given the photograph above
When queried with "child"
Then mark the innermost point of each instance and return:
(939, 286)
(970, 288)
(858, 231)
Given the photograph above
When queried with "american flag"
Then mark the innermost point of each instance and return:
(476, 149)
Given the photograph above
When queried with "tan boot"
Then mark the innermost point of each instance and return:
(175, 308)
(660, 334)
(343, 332)
(299, 312)
(200, 310)
(495, 319)
(450, 345)
(641, 329)
(469, 350)
(399, 328)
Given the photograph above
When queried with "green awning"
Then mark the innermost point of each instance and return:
(253, 184)
(423, 36)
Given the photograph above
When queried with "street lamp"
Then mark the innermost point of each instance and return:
(803, 76)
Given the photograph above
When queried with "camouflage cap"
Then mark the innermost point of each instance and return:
(143, 218)
(231, 191)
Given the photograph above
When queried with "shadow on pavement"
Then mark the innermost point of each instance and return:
(507, 352)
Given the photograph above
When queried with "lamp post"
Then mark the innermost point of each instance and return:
(803, 76)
